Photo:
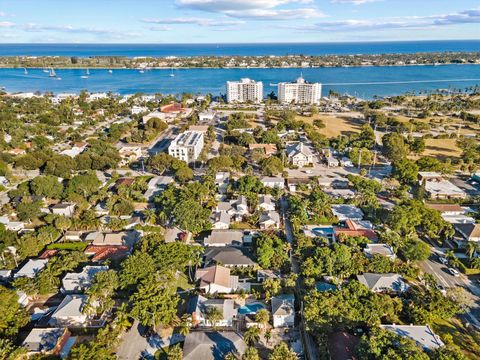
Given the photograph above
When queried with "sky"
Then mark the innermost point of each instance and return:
(236, 21)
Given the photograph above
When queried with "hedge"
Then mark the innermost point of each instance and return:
(74, 246)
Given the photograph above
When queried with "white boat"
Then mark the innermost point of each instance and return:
(25, 71)
(171, 73)
(110, 71)
(52, 73)
(87, 75)
(141, 71)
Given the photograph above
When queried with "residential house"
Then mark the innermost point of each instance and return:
(122, 238)
(299, 154)
(12, 225)
(422, 335)
(216, 279)
(268, 149)
(212, 345)
(198, 307)
(438, 188)
(264, 274)
(269, 220)
(31, 268)
(63, 209)
(79, 282)
(283, 310)
(266, 203)
(356, 228)
(156, 185)
(207, 116)
(129, 153)
(379, 249)
(76, 149)
(70, 312)
(221, 220)
(468, 232)
(224, 238)
(383, 282)
(273, 182)
(104, 252)
(452, 213)
(221, 181)
(50, 341)
(295, 184)
(320, 231)
(347, 212)
(228, 256)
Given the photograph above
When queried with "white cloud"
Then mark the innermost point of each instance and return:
(6, 24)
(411, 22)
(353, 2)
(255, 9)
(194, 20)
(159, 28)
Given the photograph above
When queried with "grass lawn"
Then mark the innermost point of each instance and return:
(442, 148)
(468, 341)
(182, 283)
(340, 124)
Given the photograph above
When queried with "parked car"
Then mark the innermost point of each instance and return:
(453, 272)
(443, 260)
(442, 289)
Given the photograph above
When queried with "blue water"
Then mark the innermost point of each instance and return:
(250, 308)
(135, 50)
(362, 82)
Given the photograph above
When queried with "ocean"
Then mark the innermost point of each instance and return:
(364, 82)
(158, 50)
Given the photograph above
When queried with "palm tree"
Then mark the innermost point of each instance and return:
(471, 249)
(184, 328)
(268, 335)
(214, 316)
(262, 317)
(122, 322)
(150, 216)
(252, 335)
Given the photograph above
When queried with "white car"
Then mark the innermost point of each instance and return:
(443, 260)
(453, 272)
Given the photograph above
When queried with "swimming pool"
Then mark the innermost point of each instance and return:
(251, 308)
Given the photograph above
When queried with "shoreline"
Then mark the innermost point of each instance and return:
(228, 68)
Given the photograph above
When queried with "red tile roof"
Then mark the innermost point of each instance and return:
(47, 254)
(107, 252)
(370, 234)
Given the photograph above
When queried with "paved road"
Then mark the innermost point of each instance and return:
(443, 277)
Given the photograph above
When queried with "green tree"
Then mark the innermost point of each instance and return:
(394, 146)
(282, 352)
(251, 354)
(47, 186)
(175, 353)
(13, 316)
(252, 335)
(214, 315)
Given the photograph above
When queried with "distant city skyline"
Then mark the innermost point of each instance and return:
(236, 21)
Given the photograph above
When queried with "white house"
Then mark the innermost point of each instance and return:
(273, 182)
(224, 238)
(269, 220)
(221, 220)
(216, 279)
(208, 116)
(31, 268)
(70, 312)
(421, 334)
(383, 282)
(283, 310)
(129, 153)
(347, 212)
(266, 203)
(379, 249)
(79, 282)
(299, 154)
(63, 209)
(198, 308)
(50, 341)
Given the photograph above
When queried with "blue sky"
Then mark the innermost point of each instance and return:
(219, 21)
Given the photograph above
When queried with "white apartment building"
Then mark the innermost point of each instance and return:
(187, 146)
(245, 90)
(299, 92)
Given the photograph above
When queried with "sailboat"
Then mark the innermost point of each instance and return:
(171, 73)
(25, 71)
(52, 73)
(110, 71)
(87, 75)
